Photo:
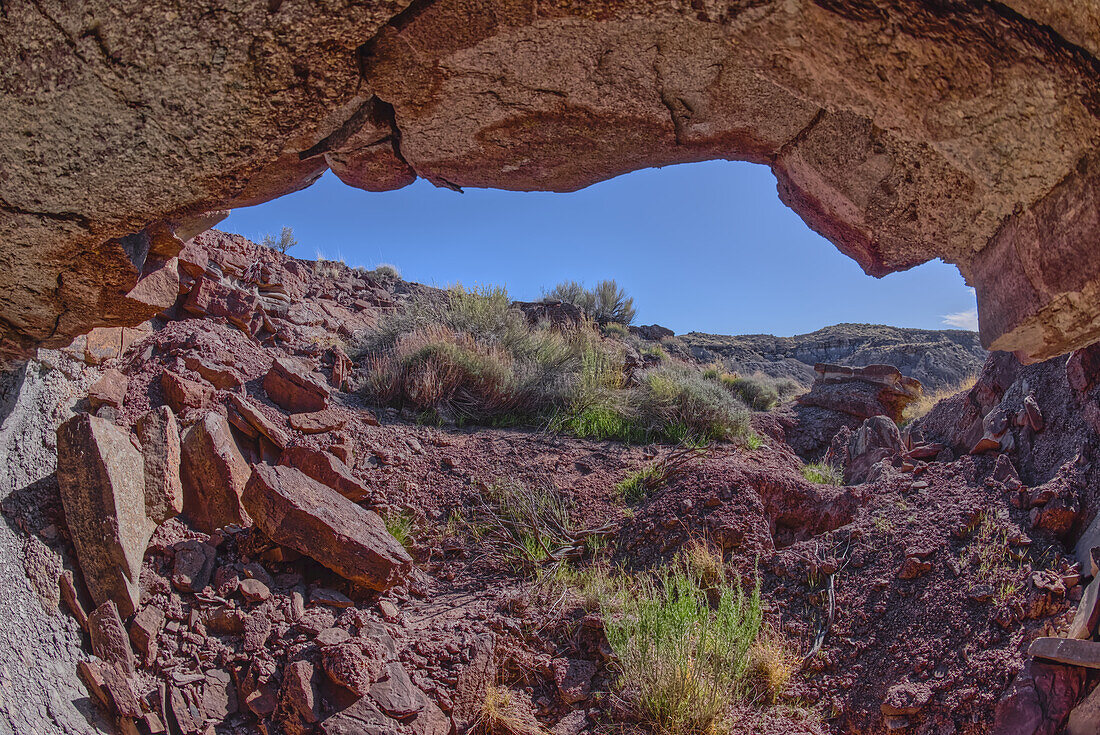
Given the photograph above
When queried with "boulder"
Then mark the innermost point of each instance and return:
(214, 475)
(101, 476)
(1088, 613)
(213, 298)
(144, 629)
(298, 703)
(109, 390)
(1039, 700)
(396, 695)
(182, 393)
(221, 377)
(192, 565)
(574, 679)
(326, 468)
(878, 438)
(291, 384)
(102, 344)
(862, 392)
(1085, 717)
(295, 510)
(361, 718)
(160, 450)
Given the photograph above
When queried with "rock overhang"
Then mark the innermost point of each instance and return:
(901, 130)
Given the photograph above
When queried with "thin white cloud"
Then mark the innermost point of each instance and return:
(962, 320)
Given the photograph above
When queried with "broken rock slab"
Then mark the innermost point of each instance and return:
(101, 476)
(1085, 717)
(214, 475)
(257, 420)
(109, 390)
(1088, 613)
(326, 468)
(159, 434)
(1067, 651)
(108, 636)
(295, 510)
(291, 384)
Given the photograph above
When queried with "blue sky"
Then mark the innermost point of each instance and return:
(701, 247)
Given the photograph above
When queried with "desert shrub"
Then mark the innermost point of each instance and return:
(758, 392)
(285, 241)
(656, 352)
(472, 356)
(386, 271)
(525, 524)
(823, 473)
(927, 401)
(606, 303)
(753, 440)
(682, 662)
(614, 329)
(674, 400)
(787, 387)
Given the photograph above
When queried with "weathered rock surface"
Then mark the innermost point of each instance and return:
(159, 435)
(101, 476)
(296, 511)
(875, 390)
(292, 385)
(326, 469)
(1039, 700)
(874, 151)
(214, 474)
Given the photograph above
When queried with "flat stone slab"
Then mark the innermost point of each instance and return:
(294, 510)
(1067, 651)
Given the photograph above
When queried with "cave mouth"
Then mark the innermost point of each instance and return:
(702, 247)
(902, 133)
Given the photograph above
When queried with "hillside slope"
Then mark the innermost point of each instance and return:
(937, 358)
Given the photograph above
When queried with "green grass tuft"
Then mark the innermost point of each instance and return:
(822, 473)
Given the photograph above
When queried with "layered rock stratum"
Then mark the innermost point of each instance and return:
(901, 130)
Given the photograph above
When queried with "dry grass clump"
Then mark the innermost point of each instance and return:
(772, 664)
(682, 662)
(823, 473)
(524, 524)
(702, 562)
(928, 401)
(503, 714)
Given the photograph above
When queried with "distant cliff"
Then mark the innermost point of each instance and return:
(937, 358)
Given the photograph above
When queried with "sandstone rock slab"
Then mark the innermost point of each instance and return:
(101, 476)
(1067, 651)
(109, 390)
(326, 468)
(109, 639)
(291, 384)
(295, 510)
(258, 421)
(159, 435)
(214, 475)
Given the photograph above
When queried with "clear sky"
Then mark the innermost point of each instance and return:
(701, 247)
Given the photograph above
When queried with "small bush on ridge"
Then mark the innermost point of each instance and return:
(606, 303)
